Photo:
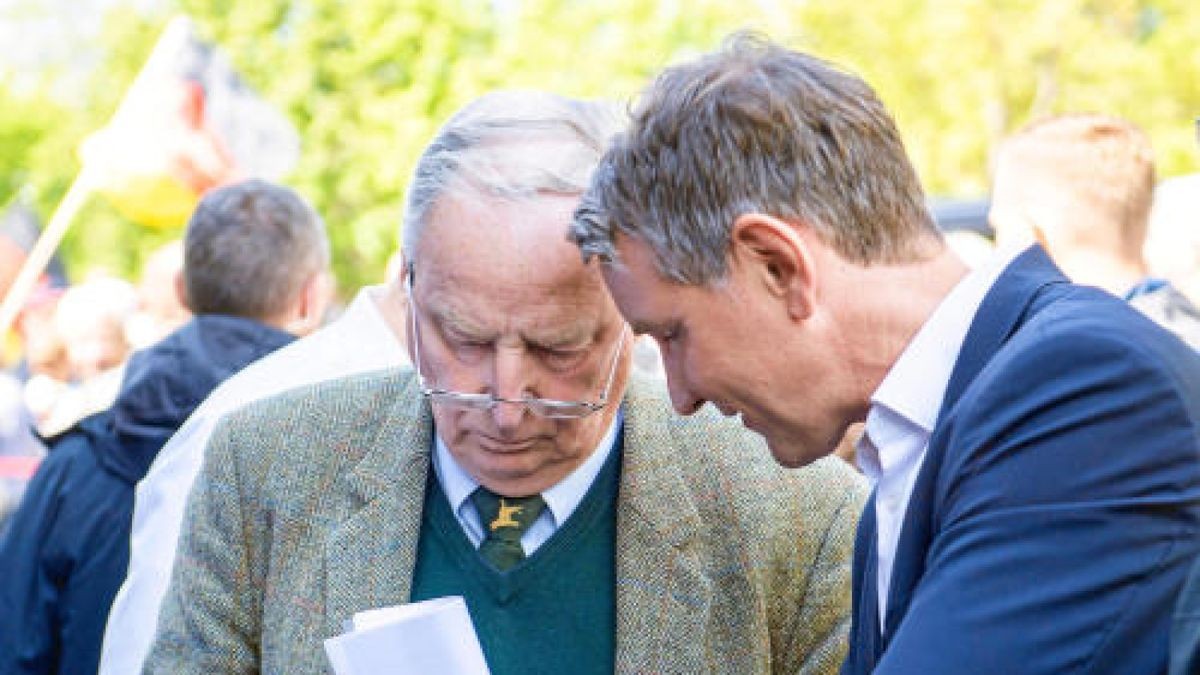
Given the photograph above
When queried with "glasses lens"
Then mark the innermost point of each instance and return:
(456, 400)
(560, 410)
(540, 407)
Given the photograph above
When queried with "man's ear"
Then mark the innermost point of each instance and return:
(774, 255)
(309, 311)
(181, 290)
(397, 266)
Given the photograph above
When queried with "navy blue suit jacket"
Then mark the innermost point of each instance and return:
(1058, 507)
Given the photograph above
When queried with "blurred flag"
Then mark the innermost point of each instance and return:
(187, 123)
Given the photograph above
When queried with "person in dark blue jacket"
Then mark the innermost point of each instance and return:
(254, 275)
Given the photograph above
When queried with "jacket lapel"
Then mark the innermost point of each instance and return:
(663, 595)
(865, 638)
(1004, 309)
(370, 555)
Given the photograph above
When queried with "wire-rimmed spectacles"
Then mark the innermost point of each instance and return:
(542, 407)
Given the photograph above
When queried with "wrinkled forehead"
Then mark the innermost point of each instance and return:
(499, 262)
(536, 311)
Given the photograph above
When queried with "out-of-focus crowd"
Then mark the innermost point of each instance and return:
(65, 357)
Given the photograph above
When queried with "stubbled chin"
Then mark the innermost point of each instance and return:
(789, 455)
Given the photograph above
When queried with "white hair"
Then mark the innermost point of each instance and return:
(511, 144)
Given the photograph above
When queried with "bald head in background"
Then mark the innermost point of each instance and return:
(1082, 185)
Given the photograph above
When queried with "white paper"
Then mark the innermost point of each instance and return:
(432, 636)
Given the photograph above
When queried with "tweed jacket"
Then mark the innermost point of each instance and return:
(308, 510)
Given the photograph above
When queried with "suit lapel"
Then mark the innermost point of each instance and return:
(663, 595)
(1004, 309)
(865, 639)
(370, 555)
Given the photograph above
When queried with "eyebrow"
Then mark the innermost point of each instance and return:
(576, 335)
(447, 318)
(640, 327)
(573, 336)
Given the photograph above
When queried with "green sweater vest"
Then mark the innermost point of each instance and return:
(552, 613)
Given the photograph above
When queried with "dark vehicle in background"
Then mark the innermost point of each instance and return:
(962, 214)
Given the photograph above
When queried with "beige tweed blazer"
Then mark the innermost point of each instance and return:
(308, 510)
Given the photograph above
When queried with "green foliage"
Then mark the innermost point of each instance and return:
(367, 82)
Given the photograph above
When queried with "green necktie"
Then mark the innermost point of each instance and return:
(504, 520)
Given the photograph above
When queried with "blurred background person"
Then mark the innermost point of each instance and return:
(161, 307)
(1173, 241)
(1174, 223)
(368, 335)
(43, 357)
(91, 318)
(255, 258)
(89, 324)
(1082, 186)
(20, 448)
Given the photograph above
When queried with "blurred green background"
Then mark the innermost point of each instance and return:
(366, 82)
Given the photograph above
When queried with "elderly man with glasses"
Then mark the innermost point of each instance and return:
(518, 464)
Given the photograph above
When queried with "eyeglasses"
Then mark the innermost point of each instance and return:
(542, 407)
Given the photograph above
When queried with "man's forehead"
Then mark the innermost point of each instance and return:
(534, 313)
(528, 294)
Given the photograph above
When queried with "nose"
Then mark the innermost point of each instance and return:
(509, 380)
(682, 398)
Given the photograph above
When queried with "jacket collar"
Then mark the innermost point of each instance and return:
(371, 555)
(663, 595)
(1003, 310)
(1007, 306)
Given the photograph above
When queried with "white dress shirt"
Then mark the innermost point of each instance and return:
(360, 340)
(905, 407)
(561, 500)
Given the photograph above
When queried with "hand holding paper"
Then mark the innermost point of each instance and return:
(432, 636)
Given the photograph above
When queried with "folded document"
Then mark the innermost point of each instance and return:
(432, 636)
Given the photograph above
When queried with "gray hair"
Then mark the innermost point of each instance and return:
(511, 144)
(250, 249)
(757, 128)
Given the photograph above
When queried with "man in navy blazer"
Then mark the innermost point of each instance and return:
(1034, 445)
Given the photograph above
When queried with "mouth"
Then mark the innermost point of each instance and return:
(506, 447)
(724, 409)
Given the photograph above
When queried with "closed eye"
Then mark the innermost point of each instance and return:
(467, 349)
(669, 334)
(560, 359)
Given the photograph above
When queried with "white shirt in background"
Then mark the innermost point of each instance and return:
(358, 341)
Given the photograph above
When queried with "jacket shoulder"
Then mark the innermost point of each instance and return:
(316, 412)
(730, 470)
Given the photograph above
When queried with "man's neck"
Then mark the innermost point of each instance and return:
(1091, 268)
(880, 324)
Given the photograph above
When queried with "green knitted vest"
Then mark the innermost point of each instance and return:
(552, 613)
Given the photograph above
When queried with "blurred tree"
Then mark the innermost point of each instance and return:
(961, 76)
(25, 122)
(367, 82)
(40, 132)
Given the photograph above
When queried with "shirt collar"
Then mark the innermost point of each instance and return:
(1146, 286)
(561, 499)
(916, 383)
(910, 396)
